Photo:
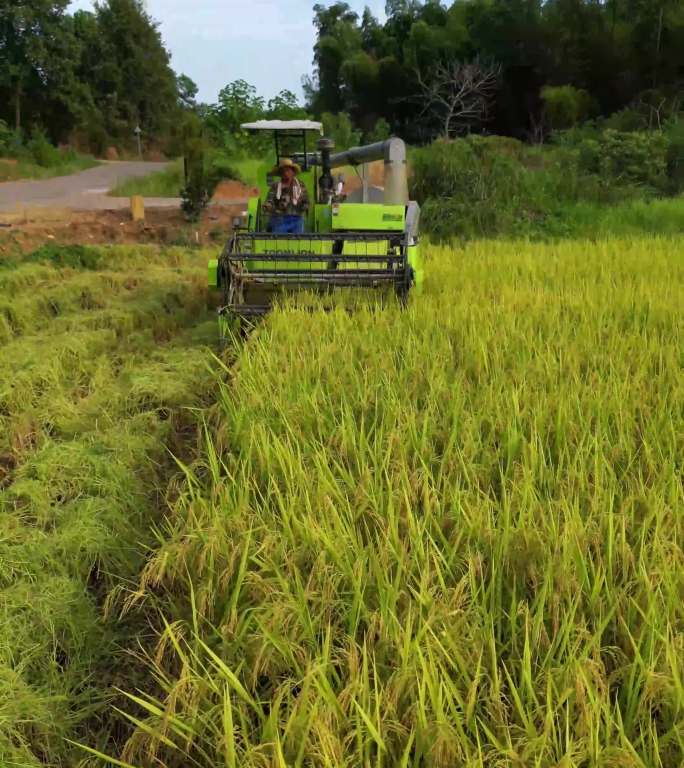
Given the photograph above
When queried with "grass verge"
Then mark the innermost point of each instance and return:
(166, 183)
(169, 183)
(634, 218)
(15, 170)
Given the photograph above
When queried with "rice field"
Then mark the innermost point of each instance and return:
(450, 536)
(446, 536)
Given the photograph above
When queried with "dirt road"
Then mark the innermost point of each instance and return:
(85, 191)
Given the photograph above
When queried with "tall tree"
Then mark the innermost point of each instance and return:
(620, 52)
(132, 81)
(458, 95)
(285, 106)
(238, 103)
(26, 30)
(338, 37)
(187, 91)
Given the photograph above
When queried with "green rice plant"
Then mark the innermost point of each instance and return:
(445, 536)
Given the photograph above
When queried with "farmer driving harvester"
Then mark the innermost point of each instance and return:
(287, 201)
(304, 233)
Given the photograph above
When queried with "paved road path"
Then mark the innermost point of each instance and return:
(85, 191)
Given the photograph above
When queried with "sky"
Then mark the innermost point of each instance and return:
(267, 43)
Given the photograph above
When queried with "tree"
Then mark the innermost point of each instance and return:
(196, 192)
(25, 30)
(614, 50)
(379, 132)
(339, 128)
(238, 103)
(132, 80)
(458, 95)
(338, 37)
(187, 91)
(359, 77)
(285, 106)
(565, 105)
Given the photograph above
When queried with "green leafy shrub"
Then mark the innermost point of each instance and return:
(638, 158)
(220, 167)
(488, 147)
(42, 151)
(339, 128)
(573, 137)
(626, 120)
(675, 155)
(565, 105)
(8, 139)
(468, 187)
(488, 186)
(443, 169)
(195, 194)
(381, 131)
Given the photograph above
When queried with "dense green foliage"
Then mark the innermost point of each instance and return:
(446, 536)
(101, 353)
(602, 56)
(68, 163)
(88, 77)
(499, 186)
(36, 157)
(240, 103)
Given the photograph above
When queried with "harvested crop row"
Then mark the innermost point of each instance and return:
(449, 536)
(92, 396)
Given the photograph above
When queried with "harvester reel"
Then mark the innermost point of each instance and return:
(260, 265)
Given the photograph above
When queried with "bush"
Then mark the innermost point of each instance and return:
(489, 147)
(468, 188)
(195, 194)
(443, 169)
(8, 139)
(486, 186)
(638, 158)
(339, 128)
(42, 151)
(626, 120)
(674, 134)
(381, 131)
(220, 167)
(565, 105)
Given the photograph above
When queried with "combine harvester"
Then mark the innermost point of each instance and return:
(367, 240)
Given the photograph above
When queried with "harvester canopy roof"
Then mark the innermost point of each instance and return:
(283, 125)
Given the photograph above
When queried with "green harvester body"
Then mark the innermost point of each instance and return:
(352, 242)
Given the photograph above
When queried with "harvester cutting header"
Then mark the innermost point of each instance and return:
(304, 232)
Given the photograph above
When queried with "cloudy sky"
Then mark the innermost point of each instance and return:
(268, 43)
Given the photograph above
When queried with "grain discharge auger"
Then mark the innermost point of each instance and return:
(367, 239)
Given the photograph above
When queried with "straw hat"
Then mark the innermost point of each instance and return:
(285, 162)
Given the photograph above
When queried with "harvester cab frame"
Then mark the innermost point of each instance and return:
(367, 240)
